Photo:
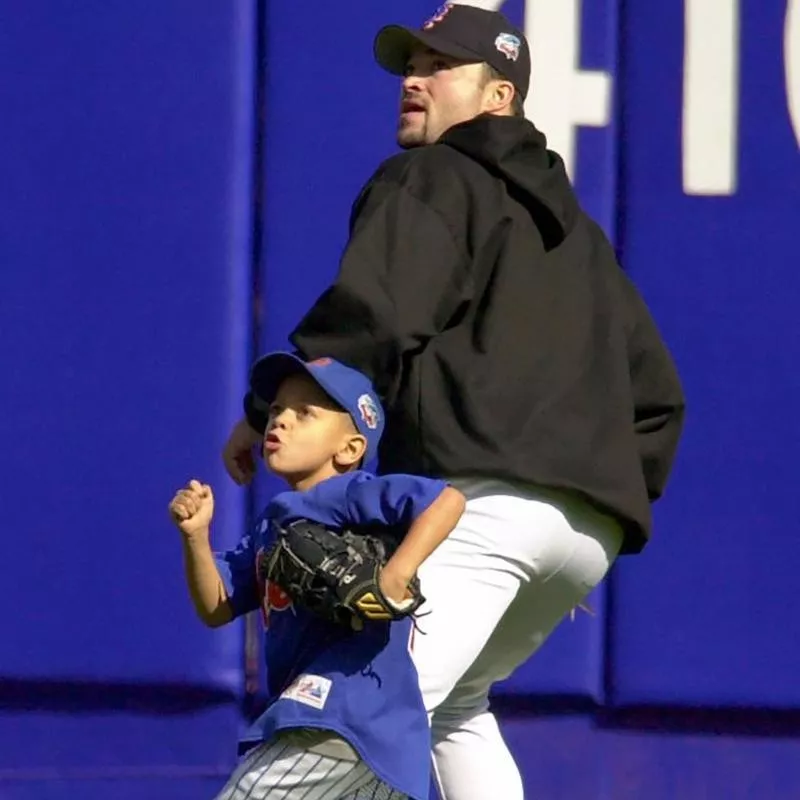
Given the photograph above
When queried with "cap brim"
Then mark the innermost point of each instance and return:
(272, 369)
(394, 45)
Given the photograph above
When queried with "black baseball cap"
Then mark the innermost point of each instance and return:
(464, 32)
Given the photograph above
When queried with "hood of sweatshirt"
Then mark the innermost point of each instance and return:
(514, 150)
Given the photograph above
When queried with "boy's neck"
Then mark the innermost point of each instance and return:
(302, 483)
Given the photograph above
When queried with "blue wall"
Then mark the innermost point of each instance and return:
(175, 184)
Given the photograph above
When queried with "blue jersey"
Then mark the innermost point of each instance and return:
(364, 685)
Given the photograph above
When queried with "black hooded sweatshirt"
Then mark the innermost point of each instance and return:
(498, 328)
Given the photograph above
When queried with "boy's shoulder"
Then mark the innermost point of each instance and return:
(330, 490)
(356, 498)
(325, 503)
(338, 490)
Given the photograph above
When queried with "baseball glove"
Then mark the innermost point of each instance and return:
(334, 574)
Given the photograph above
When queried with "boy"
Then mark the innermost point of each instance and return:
(346, 718)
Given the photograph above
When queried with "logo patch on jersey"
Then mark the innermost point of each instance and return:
(277, 599)
(311, 690)
(508, 45)
(438, 16)
(369, 411)
(273, 598)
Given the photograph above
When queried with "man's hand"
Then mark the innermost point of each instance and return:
(192, 509)
(237, 455)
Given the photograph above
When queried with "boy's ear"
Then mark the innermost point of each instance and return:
(352, 451)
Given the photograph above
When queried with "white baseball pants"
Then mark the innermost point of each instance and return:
(518, 562)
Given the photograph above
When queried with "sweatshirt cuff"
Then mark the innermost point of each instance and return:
(256, 412)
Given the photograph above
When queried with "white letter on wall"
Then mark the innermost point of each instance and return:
(710, 96)
(791, 55)
(562, 96)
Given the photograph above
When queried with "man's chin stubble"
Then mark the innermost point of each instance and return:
(408, 141)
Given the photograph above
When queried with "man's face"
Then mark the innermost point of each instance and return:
(438, 92)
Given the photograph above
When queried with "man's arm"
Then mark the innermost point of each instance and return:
(402, 278)
(659, 402)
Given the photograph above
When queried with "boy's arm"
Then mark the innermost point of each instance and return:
(206, 588)
(427, 509)
(192, 509)
(426, 533)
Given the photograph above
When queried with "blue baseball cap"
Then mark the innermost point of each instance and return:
(351, 389)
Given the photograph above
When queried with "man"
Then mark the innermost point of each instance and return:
(514, 359)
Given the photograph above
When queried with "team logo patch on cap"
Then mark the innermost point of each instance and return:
(369, 411)
(438, 16)
(508, 45)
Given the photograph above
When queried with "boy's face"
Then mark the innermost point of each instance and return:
(308, 436)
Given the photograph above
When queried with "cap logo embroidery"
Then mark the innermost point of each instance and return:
(508, 45)
(438, 16)
(369, 411)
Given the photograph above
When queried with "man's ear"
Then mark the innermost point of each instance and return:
(500, 96)
(352, 451)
